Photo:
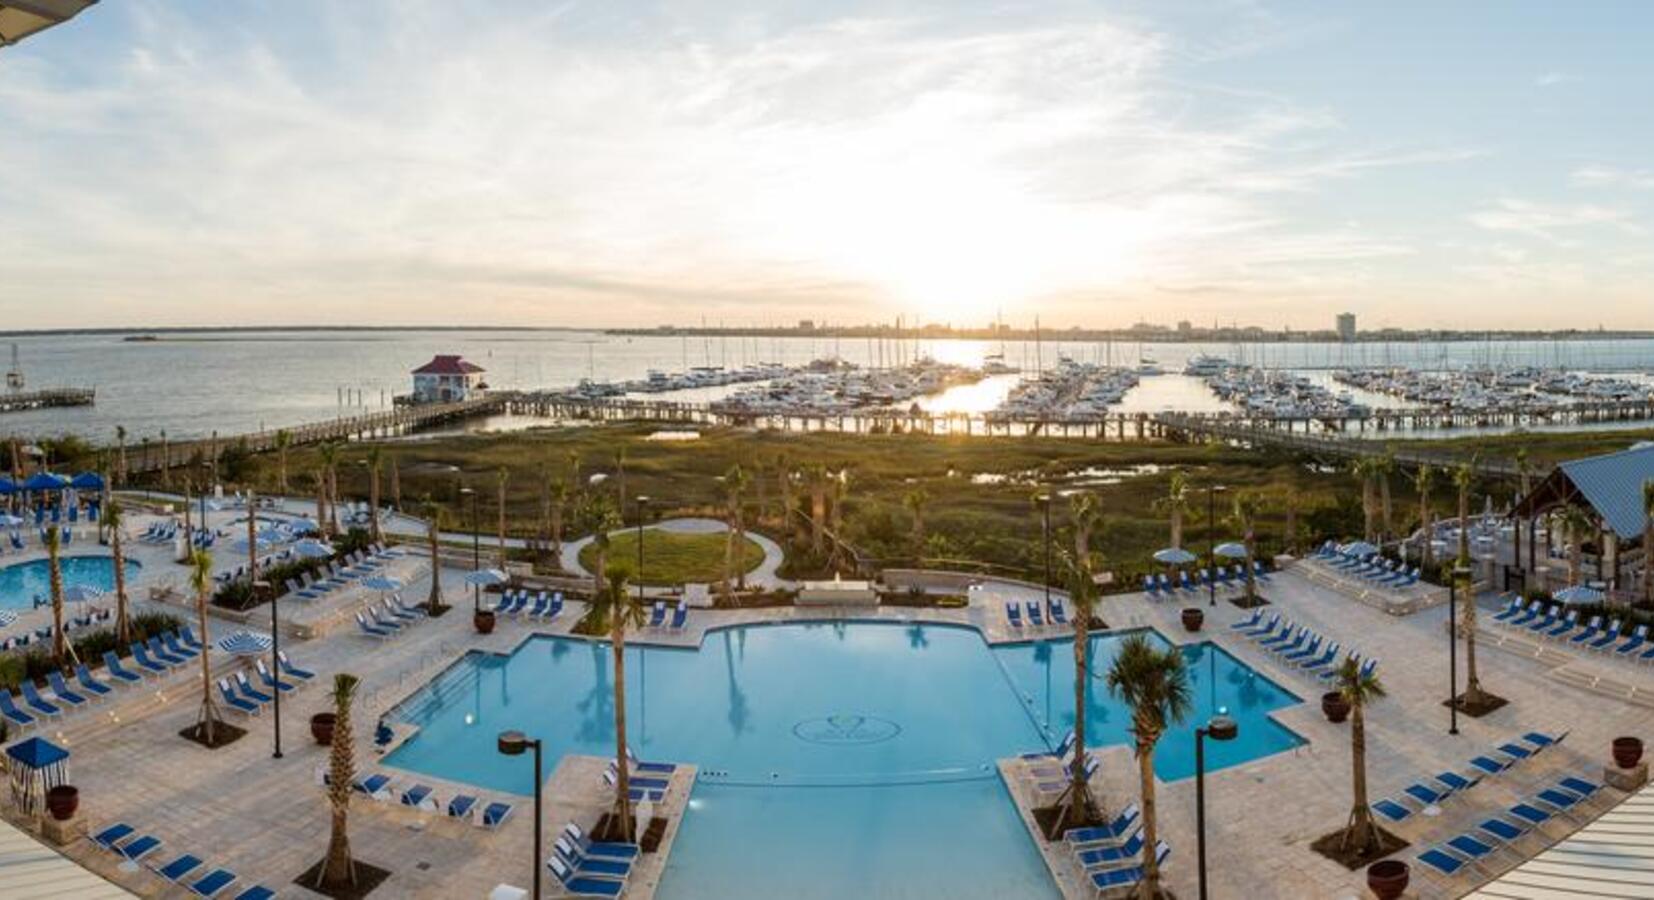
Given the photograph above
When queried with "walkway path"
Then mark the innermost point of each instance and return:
(764, 576)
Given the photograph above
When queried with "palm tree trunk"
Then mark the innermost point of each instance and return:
(1077, 808)
(373, 502)
(58, 643)
(1150, 887)
(1428, 524)
(1177, 527)
(1648, 561)
(741, 550)
(123, 624)
(1473, 684)
(209, 710)
(1251, 573)
(1360, 835)
(623, 829)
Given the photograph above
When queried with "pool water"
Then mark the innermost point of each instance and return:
(856, 758)
(22, 582)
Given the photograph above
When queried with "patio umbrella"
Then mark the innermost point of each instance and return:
(1578, 595)
(81, 593)
(45, 481)
(1231, 550)
(313, 549)
(382, 583)
(486, 577)
(37, 766)
(1174, 556)
(1359, 548)
(245, 643)
(7, 486)
(87, 481)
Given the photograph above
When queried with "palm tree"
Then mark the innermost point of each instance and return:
(1425, 481)
(201, 581)
(1086, 514)
(320, 478)
(621, 609)
(1383, 467)
(1154, 684)
(600, 516)
(120, 457)
(559, 500)
(915, 501)
(166, 461)
(1358, 689)
(114, 518)
(841, 491)
(501, 477)
(329, 514)
(1175, 502)
(396, 484)
(620, 479)
(1365, 469)
(339, 869)
(55, 568)
(1247, 507)
(1077, 808)
(573, 457)
(432, 512)
(1524, 470)
(1648, 541)
(284, 439)
(1464, 478)
(1577, 525)
(375, 457)
(735, 484)
(815, 477)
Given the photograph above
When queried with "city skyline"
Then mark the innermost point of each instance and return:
(1472, 167)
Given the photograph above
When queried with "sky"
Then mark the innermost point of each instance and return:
(618, 163)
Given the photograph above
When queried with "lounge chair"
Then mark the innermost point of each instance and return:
(1063, 747)
(1608, 637)
(1325, 659)
(234, 702)
(372, 631)
(1013, 615)
(176, 870)
(54, 679)
(35, 701)
(1255, 629)
(288, 668)
(602, 867)
(1392, 810)
(403, 608)
(1257, 616)
(461, 807)
(657, 616)
(1490, 765)
(1115, 879)
(680, 616)
(648, 781)
(371, 784)
(213, 883)
(162, 654)
(138, 848)
(1568, 623)
(1559, 800)
(256, 892)
(111, 837)
(188, 638)
(416, 795)
(1109, 833)
(610, 849)
(1426, 795)
(390, 625)
(1059, 616)
(1440, 860)
(251, 693)
(1544, 622)
(640, 766)
(1543, 741)
(1637, 639)
(1501, 831)
(1036, 615)
(112, 665)
(651, 789)
(1102, 856)
(270, 681)
(83, 677)
(141, 658)
(1515, 751)
(8, 708)
(495, 814)
(1530, 814)
(1528, 615)
(1454, 782)
(1150, 588)
(1585, 789)
(1589, 633)
(583, 886)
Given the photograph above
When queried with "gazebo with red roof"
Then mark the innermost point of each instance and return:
(447, 379)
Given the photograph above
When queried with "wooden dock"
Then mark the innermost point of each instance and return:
(17, 401)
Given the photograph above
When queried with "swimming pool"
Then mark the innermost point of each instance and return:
(22, 582)
(857, 758)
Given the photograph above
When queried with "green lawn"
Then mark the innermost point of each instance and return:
(671, 558)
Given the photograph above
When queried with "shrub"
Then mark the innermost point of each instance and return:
(36, 661)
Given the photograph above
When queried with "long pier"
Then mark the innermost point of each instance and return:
(153, 455)
(1184, 427)
(47, 398)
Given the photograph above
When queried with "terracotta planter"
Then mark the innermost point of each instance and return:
(483, 620)
(1388, 878)
(1628, 751)
(62, 801)
(1335, 707)
(321, 728)
(1193, 618)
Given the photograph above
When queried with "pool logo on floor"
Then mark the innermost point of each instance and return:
(845, 729)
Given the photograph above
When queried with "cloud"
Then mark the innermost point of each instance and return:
(1550, 221)
(1554, 78)
(1608, 176)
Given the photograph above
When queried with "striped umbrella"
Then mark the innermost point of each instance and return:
(382, 583)
(485, 577)
(81, 593)
(1230, 550)
(7, 617)
(1174, 556)
(313, 549)
(245, 643)
(1578, 594)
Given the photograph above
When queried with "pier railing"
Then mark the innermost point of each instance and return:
(47, 398)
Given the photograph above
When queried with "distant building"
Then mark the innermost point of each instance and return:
(806, 325)
(447, 379)
(1346, 326)
(1185, 327)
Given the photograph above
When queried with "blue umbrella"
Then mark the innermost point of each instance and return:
(1230, 550)
(313, 549)
(1358, 548)
(303, 526)
(87, 481)
(1578, 595)
(486, 577)
(382, 583)
(45, 481)
(7, 486)
(1174, 556)
(245, 643)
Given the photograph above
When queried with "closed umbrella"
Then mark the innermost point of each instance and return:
(1174, 556)
(313, 549)
(1230, 550)
(486, 577)
(1359, 548)
(245, 643)
(1578, 595)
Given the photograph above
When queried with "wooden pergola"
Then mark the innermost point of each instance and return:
(21, 18)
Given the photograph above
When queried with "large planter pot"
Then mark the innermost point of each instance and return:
(62, 801)
(1628, 751)
(321, 728)
(1388, 878)
(1335, 707)
(483, 620)
(1193, 618)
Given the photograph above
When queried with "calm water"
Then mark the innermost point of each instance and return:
(21, 583)
(818, 744)
(237, 382)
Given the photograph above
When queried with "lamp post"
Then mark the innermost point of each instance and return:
(642, 509)
(1220, 728)
(263, 587)
(1212, 490)
(514, 743)
(1460, 570)
(476, 553)
(1045, 503)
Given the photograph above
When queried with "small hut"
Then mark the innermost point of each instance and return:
(37, 765)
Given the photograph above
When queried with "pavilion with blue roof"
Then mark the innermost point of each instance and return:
(1610, 489)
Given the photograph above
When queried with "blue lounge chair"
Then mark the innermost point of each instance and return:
(1501, 831)
(1063, 748)
(111, 837)
(1013, 615)
(657, 616)
(639, 792)
(371, 784)
(1544, 622)
(1325, 659)
(1440, 860)
(270, 681)
(399, 615)
(1257, 616)
(1036, 616)
(177, 647)
(161, 654)
(1150, 588)
(8, 708)
(390, 625)
(1115, 879)
(178, 868)
(1306, 652)
(140, 657)
(1568, 623)
(54, 679)
(1426, 795)
(1471, 847)
(1490, 765)
(495, 814)
(213, 883)
(1585, 789)
(1608, 637)
(1528, 615)
(112, 665)
(234, 702)
(1589, 633)
(1515, 751)
(1513, 606)
(290, 669)
(583, 886)
(680, 616)
(640, 766)
(1256, 630)
(1392, 810)
(1059, 616)
(1101, 856)
(35, 701)
(1530, 814)
(251, 693)
(373, 631)
(610, 849)
(83, 676)
(1454, 782)
(1260, 570)
(1109, 833)
(461, 806)
(1637, 639)
(1561, 801)
(256, 892)
(602, 867)
(403, 608)
(416, 795)
(138, 848)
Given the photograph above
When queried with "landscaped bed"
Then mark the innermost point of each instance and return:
(674, 558)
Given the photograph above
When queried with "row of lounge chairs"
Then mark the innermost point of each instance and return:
(1036, 617)
(44, 633)
(1374, 568)
(66, 535)
(1552, 623)
(1202, 581)
(240, 695)
(155, 657)
(57, 514)
(1473, 848)
(528, 605)
(1420, 795)
(161, 532)
(679, 616)
(185, 870)
(1299, 648)
(588, 868)
(389, 619)
(465, 808)
(337, 574)
(240, 572)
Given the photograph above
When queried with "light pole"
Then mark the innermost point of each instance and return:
(263, 587)
(1220, 728)
(1460, 570)
(642, 509)
(1045, 503)
(1212, 490)
(476, 554)
(514, 743)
